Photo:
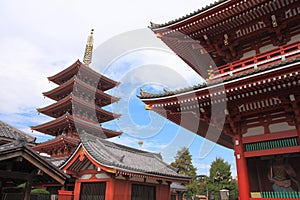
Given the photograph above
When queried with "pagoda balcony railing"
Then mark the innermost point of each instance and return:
(276, 56)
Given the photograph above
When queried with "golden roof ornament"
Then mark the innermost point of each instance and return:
(274, 21)
(87, 59)
(210, 73)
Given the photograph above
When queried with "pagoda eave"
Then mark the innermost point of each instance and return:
(111, 133)
(72, 103)
(59, 147)
(65, 71)
(68, 122)
(57, 141)
(80, 68)
(75, 85)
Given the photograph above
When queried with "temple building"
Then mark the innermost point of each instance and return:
(80, 96)
(97, 168)
(20, 164)
(105, 170)
(249, 54)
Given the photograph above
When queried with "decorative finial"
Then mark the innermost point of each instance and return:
(210, 73)
(142, 92)
(148, 107)
(226, 42)
(159, 35)
(87, 59)
(274, 21)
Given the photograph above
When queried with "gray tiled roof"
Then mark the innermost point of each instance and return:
(9, 132)
(128, 159)
(21, 144)
(153, 25)
(56, 161)
(178, 187)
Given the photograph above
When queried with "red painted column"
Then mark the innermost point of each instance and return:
(110, 189)
(242, 171)
(158, 192)
(77, 190)
(169, 189)
(127, 194)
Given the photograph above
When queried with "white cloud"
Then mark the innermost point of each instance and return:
(23, 75)
(40, 38)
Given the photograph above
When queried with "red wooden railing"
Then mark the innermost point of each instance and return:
(259, 61)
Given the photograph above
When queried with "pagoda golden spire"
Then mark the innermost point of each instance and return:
(87, 59)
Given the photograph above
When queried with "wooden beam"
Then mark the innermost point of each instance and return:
(41, 165)
(231, 121)
(296, 112)
(14, 175)
(28, 187)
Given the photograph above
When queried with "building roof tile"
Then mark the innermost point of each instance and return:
(21, 145)
(9, 132)
(127, 159)
(154, 25)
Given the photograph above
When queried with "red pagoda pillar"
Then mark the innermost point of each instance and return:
(241, 165)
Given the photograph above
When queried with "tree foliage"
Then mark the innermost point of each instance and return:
(220, 169)
(183, 162)
(220, 178)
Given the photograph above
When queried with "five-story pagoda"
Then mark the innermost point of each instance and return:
(79, 97)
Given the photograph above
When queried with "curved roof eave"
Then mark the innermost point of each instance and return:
(157, 27)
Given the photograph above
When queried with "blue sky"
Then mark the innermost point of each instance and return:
(40, 38)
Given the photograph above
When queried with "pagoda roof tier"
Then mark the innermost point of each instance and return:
(62, 145)
(258, 99)
(87, 74)
(120, 160)
(76, 123)
(75, 104)
(75, 85)
(223, 32)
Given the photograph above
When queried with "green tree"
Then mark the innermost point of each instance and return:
(220, 178)
(202, 184)
(183, 162)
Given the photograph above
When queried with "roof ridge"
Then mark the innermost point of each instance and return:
(19, 133)
(120, 157)
(86, 137)
(191, 14)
